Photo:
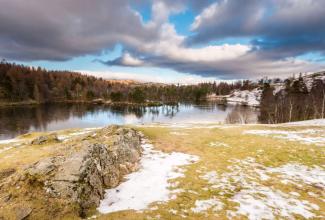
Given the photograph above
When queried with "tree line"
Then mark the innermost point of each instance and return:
(19, 83)
(295, 101)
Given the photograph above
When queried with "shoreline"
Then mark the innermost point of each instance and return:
(95, 102)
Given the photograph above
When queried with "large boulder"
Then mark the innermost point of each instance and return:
(97, 162)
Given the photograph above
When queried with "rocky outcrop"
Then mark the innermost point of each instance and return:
(45, 139)
(97, 162)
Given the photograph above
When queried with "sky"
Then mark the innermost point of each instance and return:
(169, 41)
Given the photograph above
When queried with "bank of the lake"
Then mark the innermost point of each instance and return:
(17, 120)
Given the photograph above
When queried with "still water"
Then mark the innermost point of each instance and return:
(23, 119)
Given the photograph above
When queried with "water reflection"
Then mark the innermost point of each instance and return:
(23, 119)
(241, 115)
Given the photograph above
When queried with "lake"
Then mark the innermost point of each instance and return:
(49, 117)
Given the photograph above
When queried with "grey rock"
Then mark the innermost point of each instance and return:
(83, 175)
(22, 212)
(45, 139)
(43, 167)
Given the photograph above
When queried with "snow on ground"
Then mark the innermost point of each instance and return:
(278, 87)
(149, 184)
(73, 134)
(309, 80)
(9, 141)
(204, 205)
(314, 122)
(251, 98)
(307, 136)
(13, 143)
(295, 173)
(68, 136)
(5, 149)
(245, 181)
(264, 203)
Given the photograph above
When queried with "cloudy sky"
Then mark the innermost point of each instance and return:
(183, 41)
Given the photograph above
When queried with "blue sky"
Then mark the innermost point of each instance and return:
(166, 41)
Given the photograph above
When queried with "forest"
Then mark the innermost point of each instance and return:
(295, 101)
(300, 98)
(20, 83)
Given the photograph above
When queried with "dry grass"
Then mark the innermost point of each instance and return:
(266, 150)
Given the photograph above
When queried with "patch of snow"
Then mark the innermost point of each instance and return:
(309, 80)
(250, 98)
(245, 180)
(262, 202)
(306, 136)
(149, 184)
(314, 122)
(68, 136)
(211, 177)
(300, 173)
(204, 205)
(9, 141)
(5, 149)
(309, 83)
(77, 133)
(277, 88)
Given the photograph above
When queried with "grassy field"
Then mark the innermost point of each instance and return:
(247, 171)
(241, 175)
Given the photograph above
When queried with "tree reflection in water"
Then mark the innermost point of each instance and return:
(18, 120)
(242, 115)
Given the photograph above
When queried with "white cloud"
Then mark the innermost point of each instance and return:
(170, 45)
(129, 60)
(63, 31)
(206, 14)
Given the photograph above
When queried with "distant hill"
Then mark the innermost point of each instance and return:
(123, 81)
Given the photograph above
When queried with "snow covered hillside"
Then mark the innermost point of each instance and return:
(309, 81)
(245, 97)
(253, 97)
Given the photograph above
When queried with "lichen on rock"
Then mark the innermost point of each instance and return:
(92, 164)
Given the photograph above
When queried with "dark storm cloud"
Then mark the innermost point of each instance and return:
(280, 28)
(62, 29)
(249, 66)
